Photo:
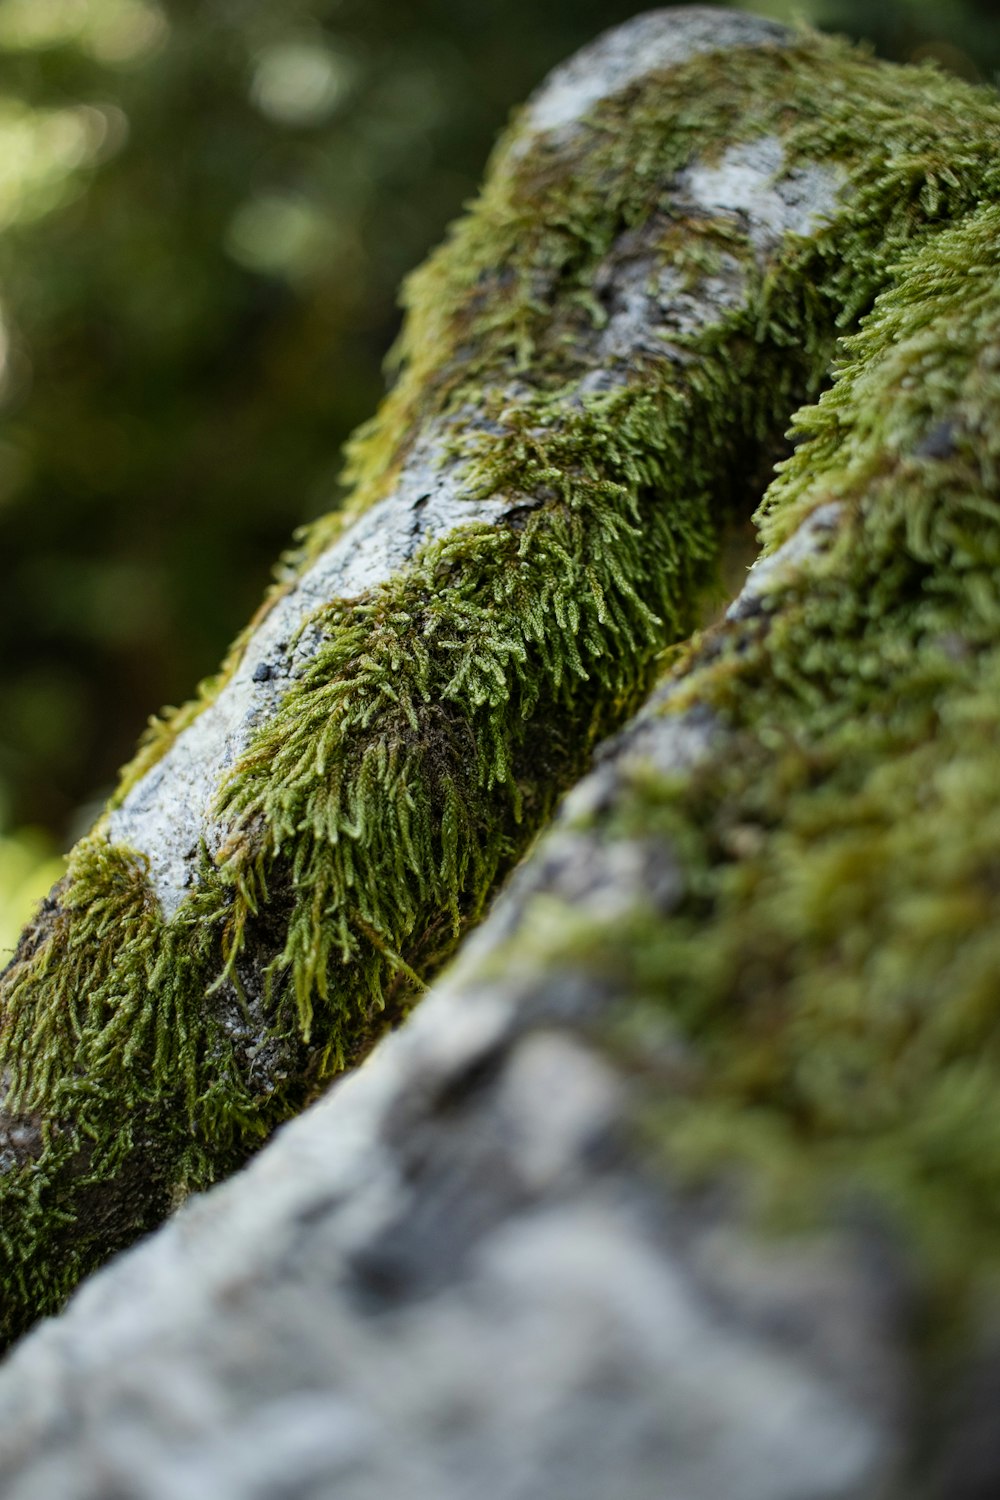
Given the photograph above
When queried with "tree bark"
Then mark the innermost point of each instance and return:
(597, 367)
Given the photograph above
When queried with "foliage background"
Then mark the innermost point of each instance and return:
(206, 208)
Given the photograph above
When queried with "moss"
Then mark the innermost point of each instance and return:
(415, 757)
(829, 982)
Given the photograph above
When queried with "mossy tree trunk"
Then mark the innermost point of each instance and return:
(674, 241)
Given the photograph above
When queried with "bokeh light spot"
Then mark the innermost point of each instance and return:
(301, 82)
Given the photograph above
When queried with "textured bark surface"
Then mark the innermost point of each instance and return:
(756, 963)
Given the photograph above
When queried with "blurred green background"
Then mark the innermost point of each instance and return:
(206, 208)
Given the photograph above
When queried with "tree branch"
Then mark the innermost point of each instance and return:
(481, 1263)
(594, 368)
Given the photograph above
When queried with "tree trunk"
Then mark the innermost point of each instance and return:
(778, 909)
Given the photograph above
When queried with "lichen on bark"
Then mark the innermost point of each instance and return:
(594, 369)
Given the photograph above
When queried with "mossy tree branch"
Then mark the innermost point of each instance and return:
(695, 1132)
(672, 240)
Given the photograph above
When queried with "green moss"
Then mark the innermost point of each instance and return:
(425, 743)
(830, 979)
